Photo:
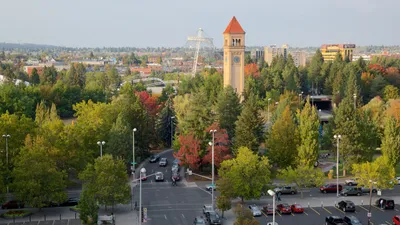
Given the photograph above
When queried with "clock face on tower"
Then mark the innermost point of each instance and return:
(236, 59)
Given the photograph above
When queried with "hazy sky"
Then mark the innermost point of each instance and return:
(134, 23)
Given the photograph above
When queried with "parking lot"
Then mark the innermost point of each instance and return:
(316, 215)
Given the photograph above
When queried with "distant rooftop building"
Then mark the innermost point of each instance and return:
(16, 81)
(329, 51)
(299, 58)
(273, 51)
(257, 54)
(364, 57)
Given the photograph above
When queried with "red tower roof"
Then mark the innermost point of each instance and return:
(234, 27)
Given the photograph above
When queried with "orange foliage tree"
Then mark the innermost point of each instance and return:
(188, 153)
(251, 70)
(221, 146)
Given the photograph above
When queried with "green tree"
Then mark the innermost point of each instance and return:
(166, 119)
(249, 126)
(314, 70)
(88, 208)
(283, 140)
(303, 176)
(244, 216)
(390, 92)
(120, 139)
(380, 172)
(224, 204)
(35, 79)
(308, 135)
(247, 173)
(49, 75)
(3, 181)
(391, 141)
(107, 180)
(228, 109)
(248, 59)
(36, 177)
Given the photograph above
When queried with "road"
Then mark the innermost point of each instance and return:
(167, 204)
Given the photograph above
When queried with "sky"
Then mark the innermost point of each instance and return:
(168, 23)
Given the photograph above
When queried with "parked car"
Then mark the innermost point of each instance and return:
(268, 209)
(163, 162)
(351, 220)
(176, 176)
(387, 203)
(351, 182)
(398, 180)
(333, 220)
(213, 218)
(255, 210)
(284, 208)
(13, 204)
(70, 202)
(199, 221)
(207, 209)
(175, 167)
(347, 206)
(159, 176)
(367, 190)
(351, 191)
(297, 208)
(396, 220)
(330, 188)
(154, 158)
(286, 190)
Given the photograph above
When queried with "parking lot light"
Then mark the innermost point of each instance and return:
(272, 193)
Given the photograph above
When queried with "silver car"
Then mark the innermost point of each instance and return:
(163, 162)
(159, 176)
(286, 190)
(255, 210)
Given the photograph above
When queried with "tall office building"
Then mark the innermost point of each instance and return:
(272, 51)
(299, 58)
(329, 51)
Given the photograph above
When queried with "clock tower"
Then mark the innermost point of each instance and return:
(234, 56)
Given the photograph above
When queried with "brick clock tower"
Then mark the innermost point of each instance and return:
(234, 56)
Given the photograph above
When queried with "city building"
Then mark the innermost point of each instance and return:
(299, 58)
(257, 54)
(273, 51)
(364, 57)
(329, 51)
(234, 45)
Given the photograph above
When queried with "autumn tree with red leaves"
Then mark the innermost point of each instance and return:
(188, 153)
(149, 102)
(221, 146)
(251, 70)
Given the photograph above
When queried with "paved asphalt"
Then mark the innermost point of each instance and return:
(167, 204)
(317, 215)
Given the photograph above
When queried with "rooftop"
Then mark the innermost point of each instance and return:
(234, 27)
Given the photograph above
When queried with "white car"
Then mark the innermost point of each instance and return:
(351, 182)
(159, 176)
(209, 187)
(398, 180)
(255, 210)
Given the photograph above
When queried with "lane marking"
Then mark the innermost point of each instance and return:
(204, 190)
(326, 210)
(165, 217)
(388, 223)
(396, 210)
(340, 210)
(378, 208)
(264, 214)
(315, 211)
(305, 213)
(363, 208)
(292, 214)
(183, 216)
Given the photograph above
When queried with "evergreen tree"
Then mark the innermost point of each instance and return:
(314, 70)
(308, 135)
(283, 140)
(164, 123)
(35, 79)
(199, 117)
(335, 80)
(228, 109)
(249, 126)
(391, 141)
(120, 140)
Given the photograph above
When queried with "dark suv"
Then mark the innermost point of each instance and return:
(347, 206)
(330, 188)
(13, 204)
(213, 218)
(386, 203)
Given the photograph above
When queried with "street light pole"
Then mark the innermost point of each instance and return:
(337, 137)
(272, 193)
(355, 101)
(269, 99)
(212, 166)
(133, 152)
(370, 201)
(101, 143)
(172, 124)
(6, 136)
(142, 171)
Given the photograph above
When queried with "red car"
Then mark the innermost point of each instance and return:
(268, 209)
(330, 188)
(297, 208)
(284, 208)
(13, 204)
(396, 220)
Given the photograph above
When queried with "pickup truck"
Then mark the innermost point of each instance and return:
(334, 220)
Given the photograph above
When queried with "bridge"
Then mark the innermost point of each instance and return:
(324, 106)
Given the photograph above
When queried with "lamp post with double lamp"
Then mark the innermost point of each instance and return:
(370, 201)
(272, 193)
(7, 136)
(101, 143)
(269, 99)
(212, 166)
(337, 137)
(172, 127)
(142, 171)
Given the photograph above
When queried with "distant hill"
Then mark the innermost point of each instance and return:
(6, 46)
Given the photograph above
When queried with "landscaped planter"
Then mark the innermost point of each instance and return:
(74, 209)
(16, 214)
